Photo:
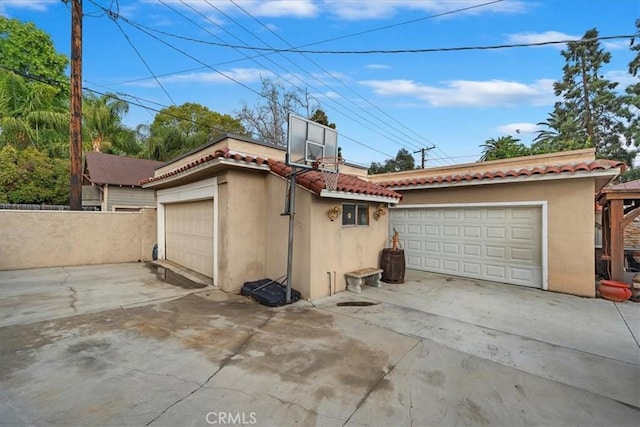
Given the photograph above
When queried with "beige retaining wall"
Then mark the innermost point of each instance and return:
(36, 239)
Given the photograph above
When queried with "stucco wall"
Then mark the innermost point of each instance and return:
(570, 223)
(36, 239)
(241, 229)
(339, 249)
(321, 247)
(276, 227)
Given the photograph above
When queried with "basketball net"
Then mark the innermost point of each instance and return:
(330, 168)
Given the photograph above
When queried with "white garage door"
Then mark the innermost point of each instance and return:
(189, 235)
(501, 244)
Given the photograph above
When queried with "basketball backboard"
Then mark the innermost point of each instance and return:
(308, 141)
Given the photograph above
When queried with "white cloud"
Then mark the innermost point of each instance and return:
(517, 128)
(258, 8)
(242, 75)
(615, 44)
(547, 36)
(469, 93)
(356, 10)
(377, 66)
(35, 5)
(623, 78)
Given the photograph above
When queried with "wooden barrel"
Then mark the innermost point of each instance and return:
(392, 264)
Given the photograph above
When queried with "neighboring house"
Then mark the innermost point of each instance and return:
(112, 182)
(220, 213)
(526, 221)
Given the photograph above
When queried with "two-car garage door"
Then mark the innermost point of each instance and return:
(502, 244)
(189, 235)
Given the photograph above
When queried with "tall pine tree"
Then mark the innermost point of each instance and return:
(590, 101)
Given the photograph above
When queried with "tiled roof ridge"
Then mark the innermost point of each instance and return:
(312, 180)
(599, 164)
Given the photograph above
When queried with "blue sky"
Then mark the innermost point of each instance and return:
(379, 102)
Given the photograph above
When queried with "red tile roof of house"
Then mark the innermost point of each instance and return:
(311, 180)
(102, 168)
(595, 165)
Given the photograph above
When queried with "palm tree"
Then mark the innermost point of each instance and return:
(102, 120)
(29, 114)
(503, 147)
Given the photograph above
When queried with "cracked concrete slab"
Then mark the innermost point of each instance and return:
(153, 355)
(34, 295)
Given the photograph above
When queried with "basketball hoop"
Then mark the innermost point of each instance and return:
(330, 168)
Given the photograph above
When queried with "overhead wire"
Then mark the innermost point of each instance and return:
(114, 18)
(330, 74)
(138, 103)
(231, 78)
(330, 101)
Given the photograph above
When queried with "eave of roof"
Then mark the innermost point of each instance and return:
(594, 168)
(349, 186)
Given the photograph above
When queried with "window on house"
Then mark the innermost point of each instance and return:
(355, 215)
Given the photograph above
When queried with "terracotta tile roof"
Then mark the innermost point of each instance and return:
(594, 165)
(314, 181)
(103, 168)
(311, 180)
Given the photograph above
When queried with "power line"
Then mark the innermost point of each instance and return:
(387, 51)
(56, 83)
(114, 18)
(352, 112)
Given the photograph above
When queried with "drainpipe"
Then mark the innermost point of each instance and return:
(329, 273)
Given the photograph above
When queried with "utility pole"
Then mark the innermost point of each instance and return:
(75, 125)
(423, 153)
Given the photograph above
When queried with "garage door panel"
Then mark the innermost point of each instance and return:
(433, 247)
(472, 232)
(450, 249)
(451, 266)
(501, 244)
(189, 235)
(415, 245)
(473, 269)
(495, 233)
(431, 230)
(472, 250)
(496, 252)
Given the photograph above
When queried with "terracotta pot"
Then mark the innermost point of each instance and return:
(614, 291)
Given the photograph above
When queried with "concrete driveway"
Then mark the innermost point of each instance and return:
(124, 348)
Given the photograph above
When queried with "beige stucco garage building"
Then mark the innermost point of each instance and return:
(220, 211)
(525, 221)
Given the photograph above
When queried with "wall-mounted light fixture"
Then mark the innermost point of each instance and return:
(333, 212)
(378, 212)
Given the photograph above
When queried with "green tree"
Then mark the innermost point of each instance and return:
(559, 135)
(590, 100)
(320, 116)
(267, 119)
(178, 129)
(403, 161)
(30, 116)
(102, 125)
(503, 148)
(27, 50)
(631, 98)
(30, 176)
